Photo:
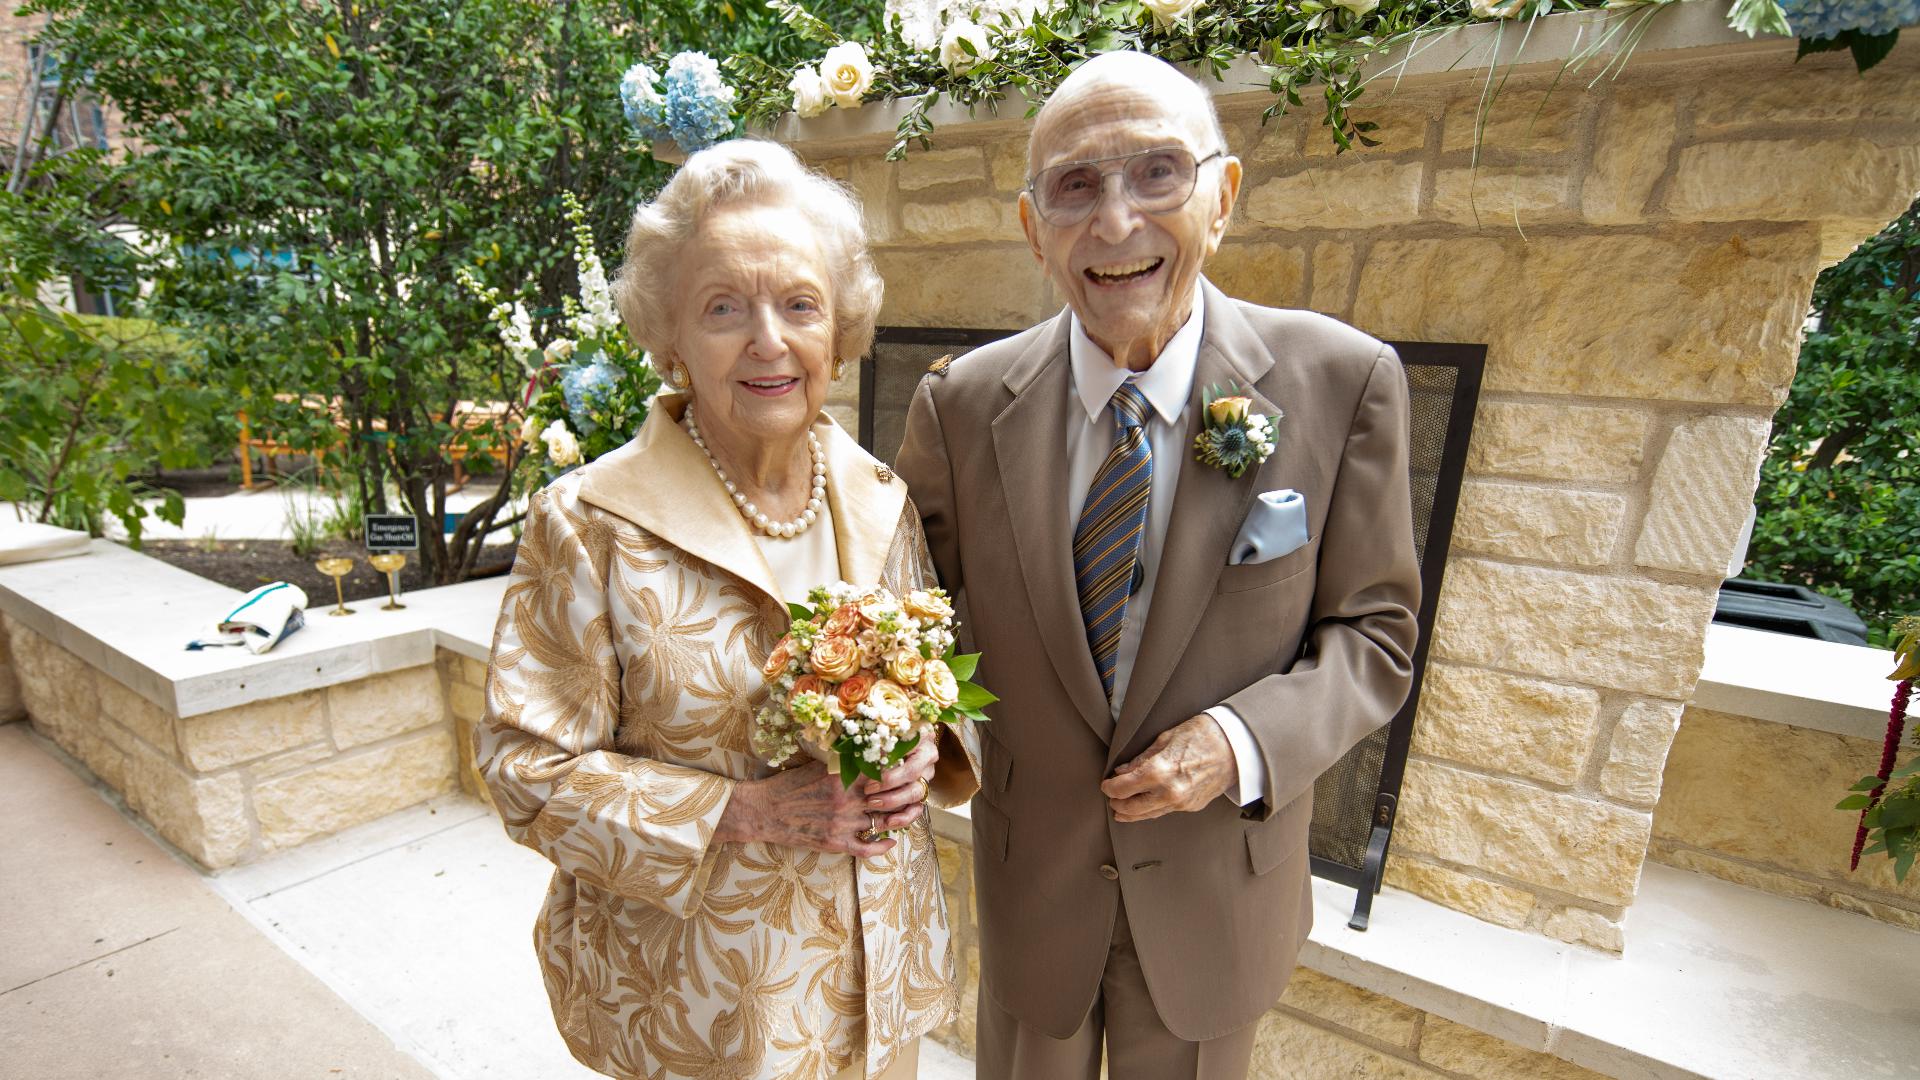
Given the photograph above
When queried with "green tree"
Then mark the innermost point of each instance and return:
(315, 174)
(1838, 507)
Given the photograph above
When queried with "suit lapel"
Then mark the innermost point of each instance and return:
(1031, 455)
(1208, 509)
(662, 482)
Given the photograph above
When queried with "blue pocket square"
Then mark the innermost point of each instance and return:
(1276, 526)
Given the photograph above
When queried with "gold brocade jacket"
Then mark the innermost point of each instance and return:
(620, 703)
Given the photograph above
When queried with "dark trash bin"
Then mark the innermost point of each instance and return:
(1788, 609)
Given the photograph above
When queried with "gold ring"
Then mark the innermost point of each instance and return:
(872, 833)
(926, 789)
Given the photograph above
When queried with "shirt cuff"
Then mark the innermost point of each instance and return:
(1250, 769)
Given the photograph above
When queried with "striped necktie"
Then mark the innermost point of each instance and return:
(1106, 543)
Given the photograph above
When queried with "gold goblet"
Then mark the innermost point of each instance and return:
(336, 567)
(389, 563)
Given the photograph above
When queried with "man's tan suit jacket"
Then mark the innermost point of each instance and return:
(1312, 649)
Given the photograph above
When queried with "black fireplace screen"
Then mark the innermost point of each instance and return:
(1353, 802)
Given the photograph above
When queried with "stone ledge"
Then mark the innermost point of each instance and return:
(130, 616)
(1681, 32)
(1821, 685)
(1698, 993)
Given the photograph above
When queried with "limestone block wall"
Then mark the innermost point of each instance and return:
(10, 706)
(229, 786)
(1751, 801)
(1638, 257)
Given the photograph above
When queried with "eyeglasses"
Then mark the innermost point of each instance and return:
(1156, 181)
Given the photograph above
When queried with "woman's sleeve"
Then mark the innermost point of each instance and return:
(956, 776)
(631, 825)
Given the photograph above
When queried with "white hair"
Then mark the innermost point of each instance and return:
(746, 172)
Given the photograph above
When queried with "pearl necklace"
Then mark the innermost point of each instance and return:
(785, 530)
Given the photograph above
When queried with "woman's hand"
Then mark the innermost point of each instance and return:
(808, 808)
(901, 792)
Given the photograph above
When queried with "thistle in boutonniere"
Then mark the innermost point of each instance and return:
(1234, 437)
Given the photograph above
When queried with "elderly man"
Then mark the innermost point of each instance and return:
(1180, 650)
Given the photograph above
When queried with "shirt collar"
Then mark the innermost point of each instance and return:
(1166, 384)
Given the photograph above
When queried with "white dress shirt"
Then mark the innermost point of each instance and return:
(1168, 387)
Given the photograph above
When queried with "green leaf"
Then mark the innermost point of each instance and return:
(1852, 802)
(963, 666)
(799, 612)
(1870, 49)
(849, 763)
(1900, 813)
(1867, 784)
(974, 697)
(1809, 46)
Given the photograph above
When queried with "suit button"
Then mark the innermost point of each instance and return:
(1109, 871)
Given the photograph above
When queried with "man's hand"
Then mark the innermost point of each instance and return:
(1186, 768)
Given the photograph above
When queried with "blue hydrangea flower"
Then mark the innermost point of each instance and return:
(699, 104)
(1827, 18)
(646, 110)
(589, 389)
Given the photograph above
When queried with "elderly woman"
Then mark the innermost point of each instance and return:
(711, 916)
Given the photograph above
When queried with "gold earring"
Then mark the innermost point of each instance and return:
(678, 376)
(838, 366)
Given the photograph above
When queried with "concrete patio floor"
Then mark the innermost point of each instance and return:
(400, 949)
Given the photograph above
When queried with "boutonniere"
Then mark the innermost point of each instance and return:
(1234, 437)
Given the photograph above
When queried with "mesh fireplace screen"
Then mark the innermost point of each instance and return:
(1353, 801)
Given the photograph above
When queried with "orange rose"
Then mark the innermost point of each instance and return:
(808, 684)
(778, 659)
(906, 668)
(835, 657)
(855, 690)
(844, 622)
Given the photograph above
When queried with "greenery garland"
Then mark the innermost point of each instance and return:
(1303, 46)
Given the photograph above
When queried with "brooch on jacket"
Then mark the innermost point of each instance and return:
(1233, 437)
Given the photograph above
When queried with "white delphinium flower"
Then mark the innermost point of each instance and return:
(1357, 7)
(517, 334)
(1168, 12)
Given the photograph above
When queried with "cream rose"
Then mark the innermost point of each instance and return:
(906, 669)
(940, 686)
(1226, 410)
(848, 73)
(954, 56)
(1171, 11)
(811, 97)
(562, 448)
(890, 704)
(922, 604)
(835, 658)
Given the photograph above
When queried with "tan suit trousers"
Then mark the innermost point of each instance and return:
(1138, 1044)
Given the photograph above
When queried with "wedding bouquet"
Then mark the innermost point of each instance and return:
(861, 676)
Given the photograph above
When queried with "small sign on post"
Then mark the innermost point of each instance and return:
(392, 532)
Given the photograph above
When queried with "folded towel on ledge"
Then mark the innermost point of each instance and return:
(261, 620)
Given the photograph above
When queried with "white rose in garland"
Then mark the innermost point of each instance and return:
(811, 97)
(1357, 7)
(954, 56)
(848, 73)
(1168, 12)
